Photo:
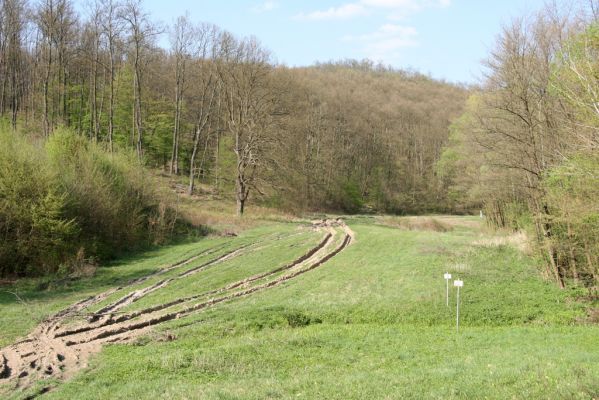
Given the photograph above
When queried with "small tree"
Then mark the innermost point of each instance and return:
(207, 88)
(181, 36)
(244, 70)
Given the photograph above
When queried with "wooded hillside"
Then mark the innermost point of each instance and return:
(344, 136)
(347, 136)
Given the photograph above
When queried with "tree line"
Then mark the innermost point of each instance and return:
(215, 108)
(527, 146)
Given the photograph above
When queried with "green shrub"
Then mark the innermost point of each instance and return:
(71, 196)
(572, 192)
(35, 234)
(297, 319)
(351, 198)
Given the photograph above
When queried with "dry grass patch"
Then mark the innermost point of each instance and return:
(221, 214)
(459, 267)
(519, 240)
(431, 224)
(460, 221)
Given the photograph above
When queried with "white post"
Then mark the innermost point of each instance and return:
(458, 283)
(447, 277)
(457, 312)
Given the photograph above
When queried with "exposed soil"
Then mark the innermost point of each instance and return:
(58, 348)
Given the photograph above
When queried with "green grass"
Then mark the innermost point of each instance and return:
(260, 259)
(26, 303)
(369, 324)
(361, 361)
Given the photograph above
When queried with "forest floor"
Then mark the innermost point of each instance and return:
(350, 308)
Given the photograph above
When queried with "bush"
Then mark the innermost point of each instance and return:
(34, 231)
(572, 192)
(298, 319)
(351, 198)
(71, 197)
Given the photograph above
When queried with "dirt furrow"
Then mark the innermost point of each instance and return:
(200, 306)
(126, 317)
(50, 351)
(92, 300)
(138, 294)
(128, 299)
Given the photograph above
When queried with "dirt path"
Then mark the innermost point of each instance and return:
(54, 351)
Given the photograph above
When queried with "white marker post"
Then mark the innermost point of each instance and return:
(447, 277)
(458, 283)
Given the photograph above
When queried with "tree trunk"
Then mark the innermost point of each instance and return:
(111, 100)
(216, 160)
(94, 102)
(46, 93)
(192, 161)
(174, 167)
(552, 255)
(572, 254)
(590, 265)
(240, 206)
(242, 192)
(111, 109)
(138, 119)
(81, 104)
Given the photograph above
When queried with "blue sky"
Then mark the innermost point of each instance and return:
(444, 38)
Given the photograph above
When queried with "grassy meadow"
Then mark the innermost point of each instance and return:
(371, 323)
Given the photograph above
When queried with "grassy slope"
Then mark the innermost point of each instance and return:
(25, 304)
(371, 323)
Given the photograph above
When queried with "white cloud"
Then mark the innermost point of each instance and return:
(345, 11)
(385, 43)
(408, 4)
(398, 8)
(267, 6)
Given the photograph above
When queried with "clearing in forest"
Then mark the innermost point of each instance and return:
(328, 309)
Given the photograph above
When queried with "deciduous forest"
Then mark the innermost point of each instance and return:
(94, 104)
(526, 147)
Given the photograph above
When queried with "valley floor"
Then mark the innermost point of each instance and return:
(336, 310)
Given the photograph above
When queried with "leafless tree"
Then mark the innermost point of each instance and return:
(207, 88)
(141, 33)
(244, 70)
(93, 33)
(181, 36)
(56, 20)
(12, 22)
(112, 29)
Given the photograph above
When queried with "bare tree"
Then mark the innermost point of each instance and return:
(141, 33)
(46, 20)
(3, 29)
(207, 42)
(112, 29)
(56, 21)
(93, 35)
(65, 36)
(13, 21)
(244, 70)
(521, 119)
(181, 36)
